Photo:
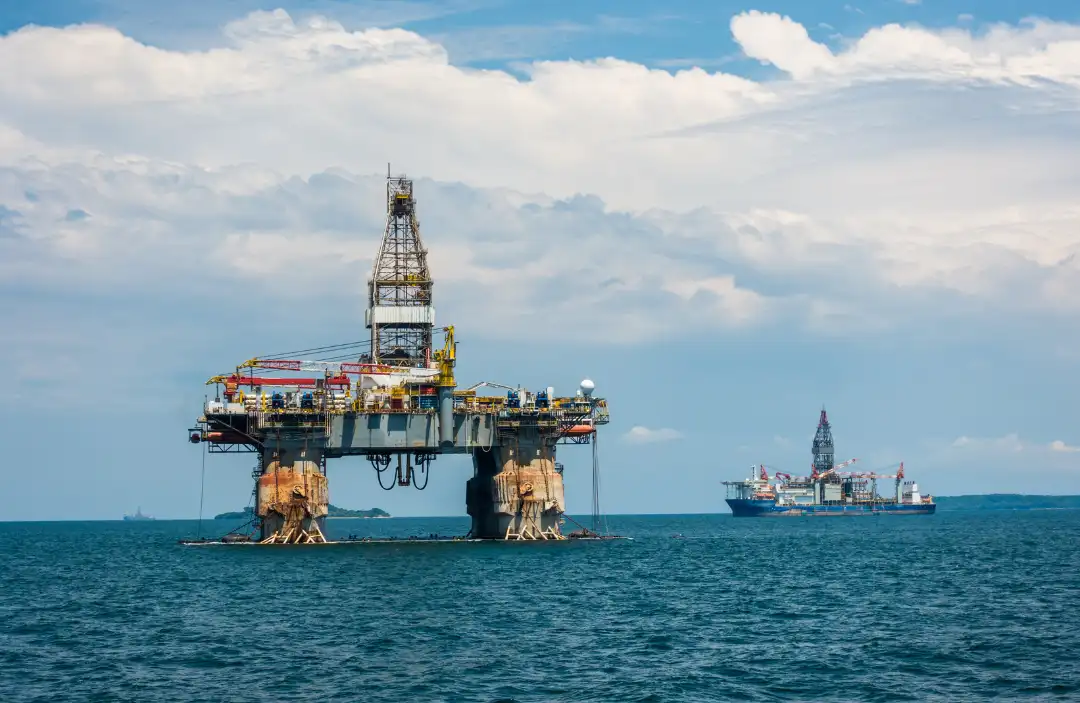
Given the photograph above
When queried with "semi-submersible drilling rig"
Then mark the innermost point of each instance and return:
(394, 399)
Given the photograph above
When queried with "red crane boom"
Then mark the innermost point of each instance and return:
(253, 381)
(345, 367)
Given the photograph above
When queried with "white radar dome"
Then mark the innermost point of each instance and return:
(587, 387)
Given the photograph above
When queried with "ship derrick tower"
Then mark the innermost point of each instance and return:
(823, 446)
(400, 315)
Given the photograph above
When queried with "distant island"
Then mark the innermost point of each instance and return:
(334, 511)
(1007, 501)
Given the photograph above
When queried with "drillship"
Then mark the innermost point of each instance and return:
(828, 491)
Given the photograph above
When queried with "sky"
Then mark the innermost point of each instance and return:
(726, 216)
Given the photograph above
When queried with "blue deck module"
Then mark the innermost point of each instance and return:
(827, 492)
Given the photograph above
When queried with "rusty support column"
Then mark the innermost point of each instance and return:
(515, 492)
(292, 497)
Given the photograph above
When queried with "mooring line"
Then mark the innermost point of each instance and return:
(202, 488)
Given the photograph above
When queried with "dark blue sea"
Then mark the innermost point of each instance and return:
(958, 606)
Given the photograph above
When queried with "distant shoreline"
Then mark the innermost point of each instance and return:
(976, 501)
(1007, 501)
(358, 517)
(238, 516)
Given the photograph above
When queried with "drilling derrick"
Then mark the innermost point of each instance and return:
(823, 446)
(400, 315)
(397, 404)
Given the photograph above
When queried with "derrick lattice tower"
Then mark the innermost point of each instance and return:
(822, 448)
(400, 314)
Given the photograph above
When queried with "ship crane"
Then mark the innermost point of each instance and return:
(868, 474)
(782, 476)
(234, 380)
(305, 365)
(875, 475)
(762, 472)
(814, 475)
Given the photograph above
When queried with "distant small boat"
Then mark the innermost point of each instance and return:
(138, 515)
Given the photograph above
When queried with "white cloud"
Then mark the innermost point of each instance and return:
(1036, 50)
(500, 256)
(392, 94)
(1008, 443)
(734, 303)
(780, 41)
(507, 42)
(488, 43)
(1059, 446)
(871, 183)
(696, 63)
(644, 435)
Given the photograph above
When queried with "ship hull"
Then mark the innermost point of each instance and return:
(768, 508)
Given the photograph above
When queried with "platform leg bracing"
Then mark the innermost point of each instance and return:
(515, 492)
(292, 497)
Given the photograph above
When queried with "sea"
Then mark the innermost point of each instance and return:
(959, 606)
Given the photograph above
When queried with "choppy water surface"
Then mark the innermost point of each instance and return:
(957, 606)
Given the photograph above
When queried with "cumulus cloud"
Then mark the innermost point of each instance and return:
(361, 96)
(644, 435)
(1011, 443)
(781, 42)
(1008, 443)
(172, 228)
(866, 184)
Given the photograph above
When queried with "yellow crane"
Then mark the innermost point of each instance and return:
(446, 358)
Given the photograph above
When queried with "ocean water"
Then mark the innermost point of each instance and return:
(958, 606)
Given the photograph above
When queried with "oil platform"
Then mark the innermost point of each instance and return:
(394, 399)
